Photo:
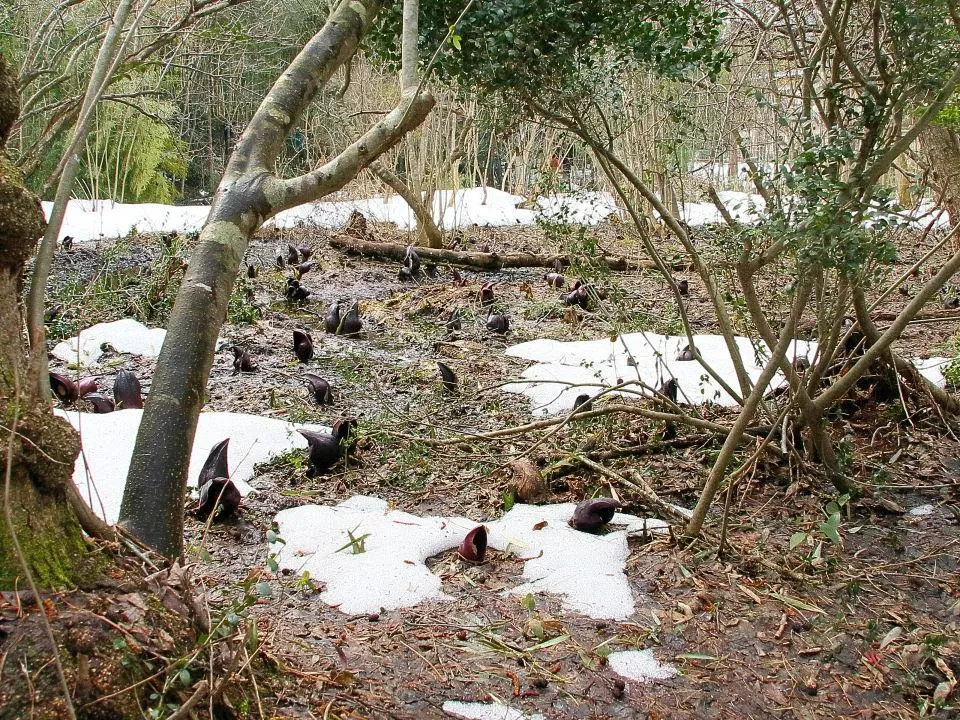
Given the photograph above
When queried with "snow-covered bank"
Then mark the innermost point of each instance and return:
(88, 220)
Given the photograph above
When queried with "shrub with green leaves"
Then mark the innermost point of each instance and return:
(543, 50)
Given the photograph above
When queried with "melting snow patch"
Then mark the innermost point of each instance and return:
(485, 711)
(125, 336)
(932, 369)
(88, 220)
(382, 567)
(107, 440)
(639, 665)
(586, 571)
(565, 370)
(922, 510)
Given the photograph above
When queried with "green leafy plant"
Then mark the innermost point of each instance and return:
(828, 529)
(357, 543)
(241, 308)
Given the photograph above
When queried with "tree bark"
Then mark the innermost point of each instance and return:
(409, 82)
(941, 146)
(248, 194)
(37, 450)
(414, 198)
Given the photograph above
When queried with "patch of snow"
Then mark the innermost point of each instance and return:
(744, 207)
(107, 441)
(88, 220)
(564, 370)
(480, 206)
(126, 336)
(639, 665)
(461, 208)
(586, 571)
(485, 711)
(932, 369)
(332, 215)
(582, 208)
(390, 572)
(922, 510)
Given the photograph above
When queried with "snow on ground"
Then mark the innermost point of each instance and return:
(743, 207)
(88, 220)
(485, 711)
(639, 665)
(586, 571)
(932, 369)
(565, 370)
(389, 573)
(107, 441)
(460, 208)
(125, 336)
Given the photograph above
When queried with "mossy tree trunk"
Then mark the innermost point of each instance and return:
(37, 449)
(249, 193)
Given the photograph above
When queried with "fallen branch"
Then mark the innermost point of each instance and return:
(680, 419)
(575, 462)
(640, 486)
(483, 261)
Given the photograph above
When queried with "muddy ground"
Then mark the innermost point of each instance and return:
(864, 629)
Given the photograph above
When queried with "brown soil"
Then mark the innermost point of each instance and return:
(867, 629)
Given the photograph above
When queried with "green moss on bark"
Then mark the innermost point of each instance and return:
(44, 447)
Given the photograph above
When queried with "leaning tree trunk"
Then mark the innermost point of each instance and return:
(248, 194)
(37, 449)
(941, 147)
